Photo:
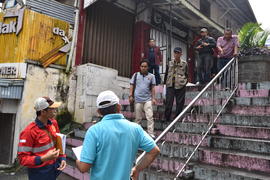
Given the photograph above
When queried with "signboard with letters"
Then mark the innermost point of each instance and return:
(13, 70)
(12, 26)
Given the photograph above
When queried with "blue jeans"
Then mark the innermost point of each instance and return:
(155, 68)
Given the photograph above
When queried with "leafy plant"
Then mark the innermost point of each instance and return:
(66, 123)
(252, 39)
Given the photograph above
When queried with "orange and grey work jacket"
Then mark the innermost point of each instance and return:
(35, 141)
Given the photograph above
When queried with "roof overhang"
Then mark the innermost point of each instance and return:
(11, 89)
(186, 13)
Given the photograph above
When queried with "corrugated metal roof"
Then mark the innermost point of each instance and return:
(53, 8)
(11, 89)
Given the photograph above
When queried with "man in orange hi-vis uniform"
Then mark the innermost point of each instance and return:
(38, 141)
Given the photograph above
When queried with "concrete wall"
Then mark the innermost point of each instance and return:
(39, 82)
(254, 69)
(87, 81)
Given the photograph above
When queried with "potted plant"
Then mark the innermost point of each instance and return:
(254, 63)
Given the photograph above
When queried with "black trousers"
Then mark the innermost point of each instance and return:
(179, 95)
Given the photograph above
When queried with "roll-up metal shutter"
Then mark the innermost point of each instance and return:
(108, 37)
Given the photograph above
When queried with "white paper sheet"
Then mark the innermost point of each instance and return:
(77, 151)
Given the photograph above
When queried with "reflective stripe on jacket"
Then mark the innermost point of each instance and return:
(35, 142)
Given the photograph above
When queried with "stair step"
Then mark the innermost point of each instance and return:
(228, 130)
(224, 119)
(252, 101)
(240, 144)
(184, 138)
(80, 134)
(213, 172)
(253, 93)
(72, 171)
(74, 142)
(237, 153)
(236, 159)
(251, 110)
(155, 175)
(174, 150)
(245, 120)
(244, 131)
(254, 86)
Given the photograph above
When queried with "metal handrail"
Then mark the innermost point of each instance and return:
(185, 111)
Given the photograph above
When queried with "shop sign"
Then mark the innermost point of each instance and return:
(62, 33)
(12, 26)
(8, 28)
(13, 70)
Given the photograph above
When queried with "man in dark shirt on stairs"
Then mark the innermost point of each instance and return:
(153, 55)
(205, 47)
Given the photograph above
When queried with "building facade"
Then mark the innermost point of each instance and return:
(114, 34)
(110, 36)
(33, 60)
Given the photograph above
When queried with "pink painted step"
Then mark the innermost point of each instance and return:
(254, 93)
(74, 142)
(75, 173)
(165, 164)
(244, 131)
(88, 124)
(237, 160)
(183, 138)
(131, 115)
(251, 110)
(200, 102)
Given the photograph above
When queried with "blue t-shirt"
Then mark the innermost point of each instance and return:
(144, 83)
(111, 146)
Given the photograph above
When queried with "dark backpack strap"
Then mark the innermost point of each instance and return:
(135, 81)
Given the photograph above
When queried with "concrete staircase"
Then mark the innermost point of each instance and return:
(238, 150)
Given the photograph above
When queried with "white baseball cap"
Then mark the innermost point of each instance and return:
(45, 102)
(107, 96)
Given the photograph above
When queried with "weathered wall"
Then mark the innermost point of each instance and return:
(39, 82)
(254, 69)
(87, 81)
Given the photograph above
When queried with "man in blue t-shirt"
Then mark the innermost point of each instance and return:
(110, 146)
